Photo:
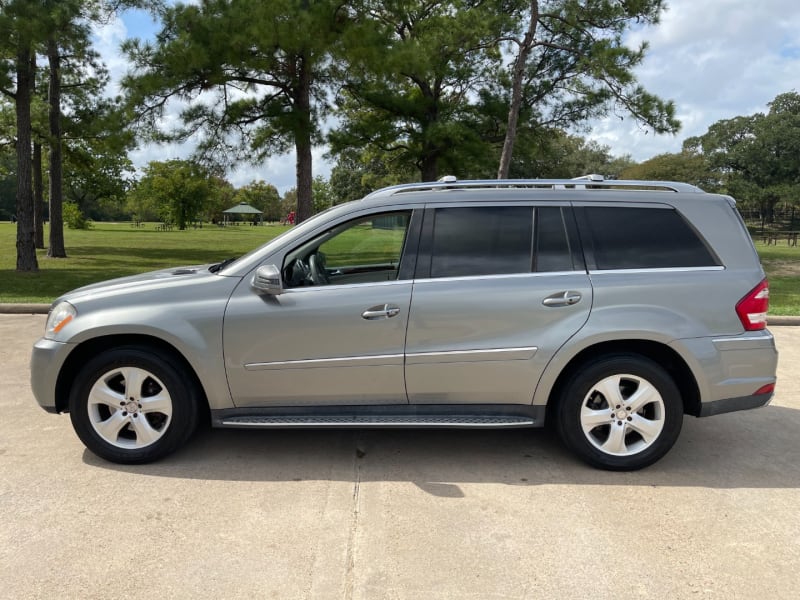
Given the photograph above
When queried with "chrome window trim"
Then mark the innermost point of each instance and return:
(654, 270)
(500, 276)
(346, 286)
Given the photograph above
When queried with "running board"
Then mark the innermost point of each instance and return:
(485, 416)
(376, 421)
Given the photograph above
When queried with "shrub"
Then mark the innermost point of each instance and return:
(74, 218)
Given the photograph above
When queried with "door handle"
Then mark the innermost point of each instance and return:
(562, 299)
(385, 311)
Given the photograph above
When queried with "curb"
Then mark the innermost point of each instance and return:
(24, 309)
(43, 309)
(778, 321)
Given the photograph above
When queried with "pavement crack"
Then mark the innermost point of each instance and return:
(349, 581)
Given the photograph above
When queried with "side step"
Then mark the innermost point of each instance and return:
(376, 421)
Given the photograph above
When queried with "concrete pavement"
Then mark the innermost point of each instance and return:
(397, 514)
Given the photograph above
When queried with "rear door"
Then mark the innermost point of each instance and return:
(498, 289)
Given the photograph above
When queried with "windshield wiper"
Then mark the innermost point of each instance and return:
(222, 265)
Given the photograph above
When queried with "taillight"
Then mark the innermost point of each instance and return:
(752, 309)
(765, 389)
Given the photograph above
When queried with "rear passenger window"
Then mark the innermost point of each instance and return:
(644, 238)
(482, 241)
(499, 240)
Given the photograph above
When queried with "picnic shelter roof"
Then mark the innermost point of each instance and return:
(243, 208)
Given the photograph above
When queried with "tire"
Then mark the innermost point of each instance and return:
(133, 405)
(621, 412)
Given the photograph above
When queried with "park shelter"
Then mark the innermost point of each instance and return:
(243, 208)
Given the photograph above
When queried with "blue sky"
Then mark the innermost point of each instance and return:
(715, 58)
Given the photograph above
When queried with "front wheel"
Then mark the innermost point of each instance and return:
(133, 405)
(621, 413)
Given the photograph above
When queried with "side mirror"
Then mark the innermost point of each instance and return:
(267, 280)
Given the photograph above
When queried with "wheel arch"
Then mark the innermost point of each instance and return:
(660, 353)
(92, 347)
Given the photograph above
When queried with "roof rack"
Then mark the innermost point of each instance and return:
(586, 182)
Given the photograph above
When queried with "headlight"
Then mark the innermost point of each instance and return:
(59, 317)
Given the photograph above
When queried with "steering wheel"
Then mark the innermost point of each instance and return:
(319, 276)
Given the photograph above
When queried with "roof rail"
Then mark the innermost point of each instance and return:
(593, 182)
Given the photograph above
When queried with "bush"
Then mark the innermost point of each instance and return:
(74, 218)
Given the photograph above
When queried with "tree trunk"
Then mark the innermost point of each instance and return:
(26, 249)
(305, 206)
(429, 168)
(516, 92)
(38, 186)
(56, 249)
(38, 196)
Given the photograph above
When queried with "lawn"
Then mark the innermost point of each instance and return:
(782, 264)
(114, 250)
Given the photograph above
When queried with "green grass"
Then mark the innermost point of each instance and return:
(115, 250)
(782, 264)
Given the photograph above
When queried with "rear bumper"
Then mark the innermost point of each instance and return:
(726, 405)
(729, 370)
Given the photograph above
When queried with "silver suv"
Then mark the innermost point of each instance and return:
(609, 308)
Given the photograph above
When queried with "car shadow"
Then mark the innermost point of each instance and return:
(752, 449)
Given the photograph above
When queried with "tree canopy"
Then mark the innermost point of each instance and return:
(398, 91)
(252, 76)
(176, 190)
(428, 81)
(757, 157)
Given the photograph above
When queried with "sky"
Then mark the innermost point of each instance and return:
(716, 59)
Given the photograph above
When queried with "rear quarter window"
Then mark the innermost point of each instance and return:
(644, 238)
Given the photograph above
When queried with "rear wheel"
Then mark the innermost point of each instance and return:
(133, 405)
(621, 412)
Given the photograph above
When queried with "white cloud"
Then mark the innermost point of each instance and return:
(107, 40)
(279, 170)
(716, 59)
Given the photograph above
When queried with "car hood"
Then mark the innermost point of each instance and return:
(125, 285)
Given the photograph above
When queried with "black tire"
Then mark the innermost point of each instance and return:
(627, 438)
(155, 417)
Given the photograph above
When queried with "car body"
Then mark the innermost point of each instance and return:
(611, 308)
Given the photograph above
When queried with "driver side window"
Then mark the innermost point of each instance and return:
(364, 250)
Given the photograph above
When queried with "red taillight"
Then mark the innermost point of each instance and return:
(765, 389)
(752, 309)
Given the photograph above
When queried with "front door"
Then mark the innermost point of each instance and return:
(336, 334)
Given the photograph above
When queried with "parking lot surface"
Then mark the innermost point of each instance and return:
(397, 513)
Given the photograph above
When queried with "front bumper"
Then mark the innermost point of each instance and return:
(46, 361)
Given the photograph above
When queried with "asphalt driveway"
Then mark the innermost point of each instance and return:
(397, 514)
